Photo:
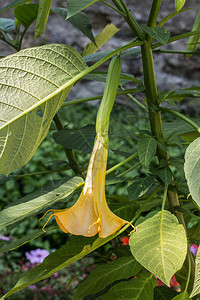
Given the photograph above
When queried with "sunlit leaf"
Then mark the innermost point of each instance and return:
(34, 84)
(182, 296)
(192, 169)
(179, 4)
(160, 245)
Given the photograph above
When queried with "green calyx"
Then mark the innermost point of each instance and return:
(109, 95)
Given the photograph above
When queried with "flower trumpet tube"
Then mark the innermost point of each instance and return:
(90, 214)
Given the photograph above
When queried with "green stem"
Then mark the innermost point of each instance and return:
(129, 18)
(134, 99)
(189, 270)
(42, 172)
(121, 163)
(129, 170)
(176, 38)
(111, 6)
(176, 51)
(154, 13)
(69, 153)
(181, 116)
(151, 94)
(164, 197)
(97, 97)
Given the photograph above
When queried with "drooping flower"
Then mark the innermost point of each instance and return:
(90, 214)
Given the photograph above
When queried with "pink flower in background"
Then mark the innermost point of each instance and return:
(36, 256)
(4, 238)
(125, 240)
(194, 249)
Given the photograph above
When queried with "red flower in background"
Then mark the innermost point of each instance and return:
(125, 240)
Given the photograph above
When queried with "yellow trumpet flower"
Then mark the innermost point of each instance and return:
(90, 214)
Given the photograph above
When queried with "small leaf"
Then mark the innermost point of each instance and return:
(139, 186)
(134, 289)
(26, 14)
(164, 293)
(179, 4)
(192, 169)
(182, 296)
(160, 245)
(42, 17)
(162, 35)
(74, 6)
(196, 287)
(7, 25)
(165, 174)
(105, 35)
(12, 4)
(40, 200)
(81, 140)
(106, 274)
(146, 150)
(194, 39)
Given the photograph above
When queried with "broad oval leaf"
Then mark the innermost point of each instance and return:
(196, 287)
(192, 169)
(160, 245)
(40, 200)
(164, 293)
(106, 274)
(26, 14)
(34, 84)
(140, 288)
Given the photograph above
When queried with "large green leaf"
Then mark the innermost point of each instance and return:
(75, 249)
(34, 84)
(160, 245)
(40, 200)
(162, 35)
(194, 39)
(146, 150)
(74, 6)
(140, 288)
(26, 14)
(42, 16)
(81, 140)
(106, 274)
(196, 287)
(192, 169)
